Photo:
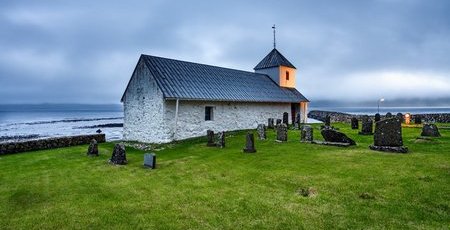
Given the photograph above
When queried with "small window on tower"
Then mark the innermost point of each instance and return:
(287, 75)
(208, 113)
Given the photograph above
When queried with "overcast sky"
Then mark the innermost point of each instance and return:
(85, 51)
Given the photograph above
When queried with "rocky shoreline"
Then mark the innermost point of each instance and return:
(346, 117)
(110, 125)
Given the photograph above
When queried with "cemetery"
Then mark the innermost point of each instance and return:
(197, 178)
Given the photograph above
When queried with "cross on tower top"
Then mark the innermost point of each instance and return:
(274, 39)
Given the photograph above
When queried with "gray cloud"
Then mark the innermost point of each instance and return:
(85, 51)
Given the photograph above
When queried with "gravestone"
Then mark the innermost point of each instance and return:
(278, 122)
(430, 130)
(261, 131)
(270, 124)
(388, 115)
(285, 118)
(366, 126)
(355, 124)
(388, 136)
(306, 134)
(221, 140)
(150, 160)
(331, 135)
(377, 117)
(297, 121)
(327, 120)
(281, 133)
(119, 156)
(400, 117)
(210, 136)
(249, 144)
(93, 148)
(417, 119)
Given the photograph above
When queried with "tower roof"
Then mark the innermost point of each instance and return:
(273, 59)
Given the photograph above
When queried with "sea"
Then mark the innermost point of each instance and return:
(24, 122)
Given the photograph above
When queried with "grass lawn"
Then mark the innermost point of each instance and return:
(198, 187)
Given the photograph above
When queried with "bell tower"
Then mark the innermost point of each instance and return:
(282, 72)
(277, 67)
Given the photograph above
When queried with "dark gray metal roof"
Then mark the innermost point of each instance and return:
(273, 59)
(192, 81)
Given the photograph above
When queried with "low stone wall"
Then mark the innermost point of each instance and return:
(433, 117)
(334, 116)
(345, 117)
(50, 143)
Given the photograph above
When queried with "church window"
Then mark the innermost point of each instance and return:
(208, 113)
(287, 75)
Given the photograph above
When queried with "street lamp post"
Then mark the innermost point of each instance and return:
(379, 101)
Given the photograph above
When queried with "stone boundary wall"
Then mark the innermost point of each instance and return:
(49, 143)
(345, 117)
(334, 116)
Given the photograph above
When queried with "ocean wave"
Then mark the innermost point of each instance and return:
(66, 121)
(110, 125)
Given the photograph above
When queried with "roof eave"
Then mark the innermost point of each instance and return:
(225, 100)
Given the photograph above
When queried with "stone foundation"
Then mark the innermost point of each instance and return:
(50, 143)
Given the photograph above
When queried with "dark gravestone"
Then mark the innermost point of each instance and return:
(331, 135)
(93, 148)
(221, 140)
(327, 120)
(355, 124)
(388, 136)
(261, 131)
(210, 136)
(150, 160)
(306, 134)
(297, 121)
(377, 117)
(430, 130)
(281, 132)
(119, 156)
(417, 119)
(278, 122)
(388, 115)
(366, 126)
(249, 144)
(285, 118)
(400, 117)
(270, 124)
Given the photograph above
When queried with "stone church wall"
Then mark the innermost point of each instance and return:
(144, 109)
(227, 116)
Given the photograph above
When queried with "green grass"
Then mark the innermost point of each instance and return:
(197, 187)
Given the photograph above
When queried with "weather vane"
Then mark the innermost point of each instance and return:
(274, 41)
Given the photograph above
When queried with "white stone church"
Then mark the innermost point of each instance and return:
(167, 99)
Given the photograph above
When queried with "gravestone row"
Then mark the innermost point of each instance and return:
(272, 123)
(213, 142)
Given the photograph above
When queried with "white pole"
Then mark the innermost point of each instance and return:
(176, 118)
